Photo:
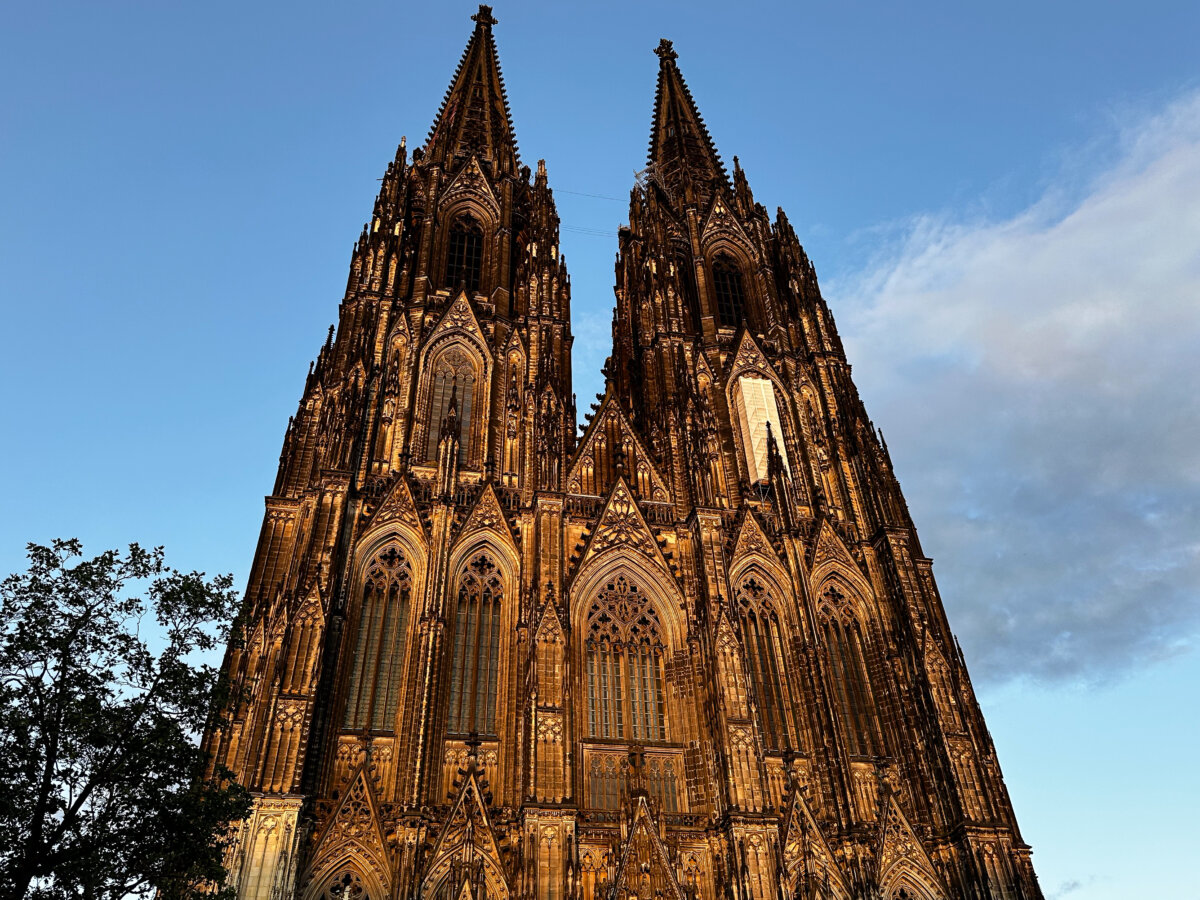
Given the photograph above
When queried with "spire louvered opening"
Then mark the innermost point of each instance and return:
(464, 255)
(727, 283)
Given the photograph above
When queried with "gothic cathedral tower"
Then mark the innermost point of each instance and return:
(697, 653)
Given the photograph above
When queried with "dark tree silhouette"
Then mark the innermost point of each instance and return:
(102, 698)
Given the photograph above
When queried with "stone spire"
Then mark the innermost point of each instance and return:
(682, 154)
(474, 118)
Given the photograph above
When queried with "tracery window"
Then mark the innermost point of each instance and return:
(345, 886)
(762, 642)
(850, 685)
(625, 665)
(476, 658)
(608, 780)
(453, 381)
(727, 282)
(378, 661)
(464, 254)
(662, 782)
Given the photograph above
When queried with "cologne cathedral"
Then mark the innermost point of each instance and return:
(687, 649)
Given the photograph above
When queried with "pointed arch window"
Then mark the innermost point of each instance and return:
(452, 384)
(763, 645)
(476, 657)
(378, 661)
(850, 686)
(464, 254)
(624, 665)
(727, 283)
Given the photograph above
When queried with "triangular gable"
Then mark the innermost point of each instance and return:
(399, 506)
(901, 854)
(401, 329)
(750, 358)
(459, 316)
(611, 418)
(805, 850)
(311, 608)
(354, 833)
(725, 632)
(722, 222)
(468, 836)
(752, 540)
(515, 344)
(829, 548)
(549, 626)
(644, 854)
(621, 525)
(487, 515)
(471, 181)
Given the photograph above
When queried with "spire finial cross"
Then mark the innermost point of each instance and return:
(484, 17)
(666, 50)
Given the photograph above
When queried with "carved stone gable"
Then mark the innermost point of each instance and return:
(901, 853)
(487, 515)
(644, 867)
(750, 358)
(595, 456)
(752, 540)
(722, 222)
(467, 846)
(807, 857)
(398, 506)
(353, 833)
(549, 628)
(829, 547)
(471, 181)
(621, 526)
(458, 317)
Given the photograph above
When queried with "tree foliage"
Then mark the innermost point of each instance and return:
(102, 698)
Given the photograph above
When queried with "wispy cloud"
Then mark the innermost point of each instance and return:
(1039, 383)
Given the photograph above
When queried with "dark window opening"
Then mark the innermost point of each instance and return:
(727, 280)
(464, 257)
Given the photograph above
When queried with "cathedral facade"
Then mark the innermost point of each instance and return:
(690, 648)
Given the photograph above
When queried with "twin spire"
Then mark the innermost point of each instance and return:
(474, 118)
(681, 151)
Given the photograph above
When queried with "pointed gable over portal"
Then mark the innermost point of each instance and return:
(752, 540)
(487, 515)
(398, 506)
(354, 837)
(807, 857)
(467, 846)
(901, 860)
(621, 525)
(644, 866)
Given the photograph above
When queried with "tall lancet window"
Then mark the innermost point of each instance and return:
(378, 662)
(625, 666)
(452, 383)
(763, 644)
(476, 659)
(464, 255)
(850, 685)
(727, 283)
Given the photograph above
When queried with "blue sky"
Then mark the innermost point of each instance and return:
(1003, 202)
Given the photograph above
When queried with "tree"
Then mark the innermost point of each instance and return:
(102, 783)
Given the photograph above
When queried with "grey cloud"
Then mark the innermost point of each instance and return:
(1038, 380)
